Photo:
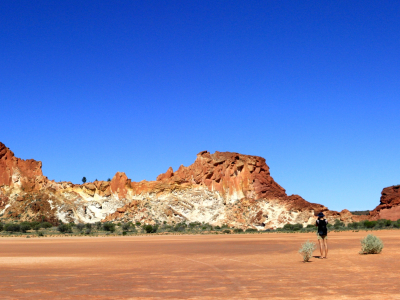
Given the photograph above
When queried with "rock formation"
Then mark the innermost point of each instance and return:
(389, 207)
(220, 188)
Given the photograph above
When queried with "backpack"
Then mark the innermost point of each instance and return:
(322, 230)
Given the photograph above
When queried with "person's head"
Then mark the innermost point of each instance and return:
(320, 215)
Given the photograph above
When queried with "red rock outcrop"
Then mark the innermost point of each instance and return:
(220, 188)
(14, 170)
(389, 207)
(231, 174)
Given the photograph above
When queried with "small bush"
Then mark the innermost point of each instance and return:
(123, 232)
(226, 231)
(217, 227)
(338, 224)
(371, 244)
(384, 223)
(138, 223)
(293, 227)
(36, 227)
(238, 230)
(12, 227)
(369, 224)
(194, 224)
(40, 233)
(307, 250)
(98, 225)
(80, 226)
(46, 225)
(108, 226)
(88, 226)
(251, 230)
(353, 225)
(25, 227)
(180, 227)
(126, 226)
(88, 231)
(150, 229)
(311, 226)
(64, 228)
(1, 226)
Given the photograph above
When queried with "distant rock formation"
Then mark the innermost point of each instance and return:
(220, 188)
(389, 207)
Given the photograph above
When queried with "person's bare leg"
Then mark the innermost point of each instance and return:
(326, 247)
(320, 248)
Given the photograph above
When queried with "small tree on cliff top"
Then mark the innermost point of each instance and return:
(84, 179)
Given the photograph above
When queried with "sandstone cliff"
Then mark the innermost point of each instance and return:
(220, 188)
(389, 207)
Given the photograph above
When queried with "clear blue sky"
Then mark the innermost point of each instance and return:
(95, 87)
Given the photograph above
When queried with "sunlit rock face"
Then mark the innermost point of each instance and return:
(389, 207)
(220, 188)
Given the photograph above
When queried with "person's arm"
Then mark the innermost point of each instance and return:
(316, 223)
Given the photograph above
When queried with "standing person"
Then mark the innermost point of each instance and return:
(322, 233)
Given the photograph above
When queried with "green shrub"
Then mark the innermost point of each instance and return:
(180, 227)
(238, 230)
(293, 227)
(11, 227)
(123, 232)
(251, 230)
(98, 225)
(217, 227)
(338, 224)
(46, 225)
(1, 226)
(311, 226)
(194, 224)
(88, 231)
(150, 229)
(384, 223)
(226, 231)
(108, 226)
(307, 249)
(353, 225)
(138, 223)
(25, 227)
(369, 224)
(80, 226)
(371, 244)
(126, 226)
(88, 226)
(40, 233)
(36, 227)
(64, 228)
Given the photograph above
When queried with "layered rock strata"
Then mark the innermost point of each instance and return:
(220, 188)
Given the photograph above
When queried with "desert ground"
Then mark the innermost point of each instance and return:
(237, 266)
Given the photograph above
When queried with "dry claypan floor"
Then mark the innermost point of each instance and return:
(258, 266)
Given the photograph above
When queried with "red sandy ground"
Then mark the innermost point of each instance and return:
(258, 266)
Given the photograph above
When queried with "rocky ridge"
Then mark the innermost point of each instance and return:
(219, 188)
(389, 207)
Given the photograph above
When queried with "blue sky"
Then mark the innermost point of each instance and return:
(98, 87)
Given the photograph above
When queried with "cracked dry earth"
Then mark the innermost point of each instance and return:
(251, 266)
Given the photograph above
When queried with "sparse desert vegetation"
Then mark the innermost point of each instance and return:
(307, 249)
(134, 228)
(371, 244)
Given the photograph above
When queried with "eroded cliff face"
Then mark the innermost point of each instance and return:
(220, 188)
(389, 207)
